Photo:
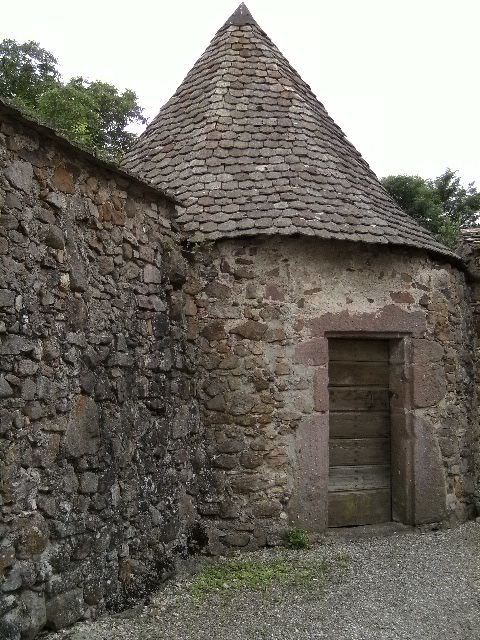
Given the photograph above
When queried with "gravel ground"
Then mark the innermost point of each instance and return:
(409, 585)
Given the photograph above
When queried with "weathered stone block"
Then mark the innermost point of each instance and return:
(31, 535)
(55, 199)
(247, 483)
(45, 454)
(214, 330)
(231, 446)
(224, 461)
(11, 624)
(276, 458)
(208, 508)
(35, 614)
(251, 330)
(78, 275)
(7, 298)
(7, 558)
(402, 297)
(64, 609)
(240, 403)
(389, 318)
(8, 222)
(93, 587)
(12, 580)
(5, 389)
(251, 460)
(274, 292)
(181, 422)
(88, 482)
(15, 344)
(29, 392)
(312, 353)
(429, 384)
(20, 175)
(307, 507)
(63, 180)
(27, 367)
(274, 334)
(82, 428)
(54, 237)
(177, 272)
(217, 403)
(218, 290)
(152, 274)
(267, 509)
(425, 351)
(18, 484)
(320, 390)
(105, 265)
(282, 369)
(237, 539)
(430, 482)
(230, 362)
(229, 509)
(12, 201)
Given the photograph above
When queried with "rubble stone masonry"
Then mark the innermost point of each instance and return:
(97, 417)
(265, 309)
(159, 398)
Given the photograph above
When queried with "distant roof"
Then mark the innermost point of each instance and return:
(247, 147)
(471, 235)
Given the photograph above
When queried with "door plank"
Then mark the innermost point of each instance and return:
(359, 350)
(359, 508)
(358, 399)
(346, 452)
(359, 477)
(363, 374)
(359, 424)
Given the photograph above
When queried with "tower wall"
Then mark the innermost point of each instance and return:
(266, 309)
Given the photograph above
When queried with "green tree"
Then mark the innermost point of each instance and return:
(26, 71)
(461, 204)
(94, 114)
(442, 205)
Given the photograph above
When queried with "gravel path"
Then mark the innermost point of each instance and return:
(405, 586)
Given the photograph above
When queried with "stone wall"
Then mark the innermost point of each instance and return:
(98, 426)
(108, 340)
(469, 250)
(264, 310)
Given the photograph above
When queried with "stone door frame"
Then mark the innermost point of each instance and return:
(402, 425)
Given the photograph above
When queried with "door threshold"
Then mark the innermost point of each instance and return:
(369, 530)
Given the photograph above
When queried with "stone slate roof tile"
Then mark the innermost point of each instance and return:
(247, 147)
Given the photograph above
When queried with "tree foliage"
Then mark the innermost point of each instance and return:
(443, 205)
(26, 71)
(94, 114)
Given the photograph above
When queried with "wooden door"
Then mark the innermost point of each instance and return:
(359, 439)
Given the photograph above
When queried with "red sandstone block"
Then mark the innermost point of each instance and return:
(273, 292)
(312, 353)
(402, 296)
(429, 384)
(427, 351)
(320, 389)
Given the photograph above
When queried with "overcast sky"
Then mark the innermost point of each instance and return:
(402, 79)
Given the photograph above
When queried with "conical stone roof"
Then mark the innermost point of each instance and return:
(249, 150)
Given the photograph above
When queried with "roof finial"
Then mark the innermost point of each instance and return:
(240, 17)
